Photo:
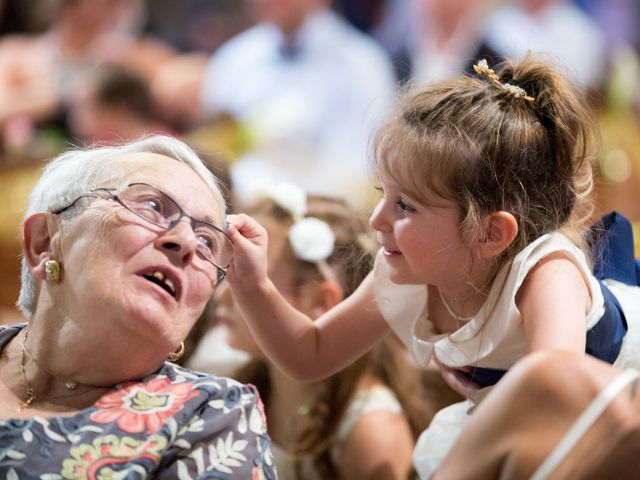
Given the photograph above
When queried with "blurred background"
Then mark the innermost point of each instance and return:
(284, 89)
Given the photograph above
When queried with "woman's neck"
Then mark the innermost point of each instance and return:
(27, 389)
(72, 350)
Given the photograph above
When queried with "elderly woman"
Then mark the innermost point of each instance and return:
(122, 248)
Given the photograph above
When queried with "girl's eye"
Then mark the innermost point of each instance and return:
(404, 207)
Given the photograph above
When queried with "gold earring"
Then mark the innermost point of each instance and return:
(52, 271)
(177, 355)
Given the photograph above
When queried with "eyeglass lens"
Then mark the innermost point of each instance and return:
(159, 209)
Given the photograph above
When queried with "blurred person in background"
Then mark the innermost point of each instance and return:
(360, 423)
(113, 104)
(556, 27)
(310, 88)
(446, 38)
(39, 72)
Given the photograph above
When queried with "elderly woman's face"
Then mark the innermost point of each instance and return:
(117, 266)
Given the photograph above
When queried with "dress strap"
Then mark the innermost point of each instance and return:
(584, 422)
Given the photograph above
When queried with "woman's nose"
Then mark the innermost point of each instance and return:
(179, 242)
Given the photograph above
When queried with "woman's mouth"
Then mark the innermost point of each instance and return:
(165, 279)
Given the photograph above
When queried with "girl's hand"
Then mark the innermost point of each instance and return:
(457, 379)
(249, 264)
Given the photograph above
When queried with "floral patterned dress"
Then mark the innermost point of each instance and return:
(173, 424)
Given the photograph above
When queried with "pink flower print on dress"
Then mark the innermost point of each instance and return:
(140, 406)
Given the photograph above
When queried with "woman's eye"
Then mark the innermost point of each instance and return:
(206, 240)
(153, 204)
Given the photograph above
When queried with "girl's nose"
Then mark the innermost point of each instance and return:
(378, 219)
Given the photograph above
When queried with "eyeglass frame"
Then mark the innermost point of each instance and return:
(95, 193)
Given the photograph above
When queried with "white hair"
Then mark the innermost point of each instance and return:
(78, 171)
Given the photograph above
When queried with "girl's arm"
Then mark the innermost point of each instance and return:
(554, 300)
(304, 349)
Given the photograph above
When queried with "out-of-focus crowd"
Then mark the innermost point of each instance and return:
(284, 89)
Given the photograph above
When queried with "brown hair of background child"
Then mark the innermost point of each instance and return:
(351, 261)
(478, 144)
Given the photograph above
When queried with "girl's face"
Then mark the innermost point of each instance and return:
(420, 241)
(229, 316)
(282, 274)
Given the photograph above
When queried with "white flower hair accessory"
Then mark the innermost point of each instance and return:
(286, 195)
(311, 239)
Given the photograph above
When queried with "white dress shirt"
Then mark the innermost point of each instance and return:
(311, 108)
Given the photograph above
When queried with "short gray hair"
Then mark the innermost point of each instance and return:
(77, 171)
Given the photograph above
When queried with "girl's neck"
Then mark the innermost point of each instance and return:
(451, 309)
(286, 394)
(73, 41)
(288, 408)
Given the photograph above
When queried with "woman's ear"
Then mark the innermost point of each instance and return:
(499, 229)
(35, 240)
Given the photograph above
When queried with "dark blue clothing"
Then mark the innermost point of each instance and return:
(613, 256)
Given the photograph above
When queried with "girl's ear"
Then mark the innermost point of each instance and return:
(330, 294)
(317, 298)
(35, 240)
(498, 231)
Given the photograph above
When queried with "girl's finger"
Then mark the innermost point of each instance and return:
(245, 226)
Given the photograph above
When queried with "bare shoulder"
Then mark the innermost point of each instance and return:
(554, 275)
(378, 447)
(380, 442)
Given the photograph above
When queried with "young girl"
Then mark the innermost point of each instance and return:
(486, 185)
(365, 419)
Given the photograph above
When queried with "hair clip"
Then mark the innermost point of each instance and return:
(482, 68)
(516, 91)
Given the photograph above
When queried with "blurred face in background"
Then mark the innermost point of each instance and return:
(437, 12)
(534, 6)
(287, 15)
(95, 15)
(283, 274)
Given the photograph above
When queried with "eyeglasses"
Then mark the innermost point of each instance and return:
(159, 209)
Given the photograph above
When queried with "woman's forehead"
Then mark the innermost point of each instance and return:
(174, 178)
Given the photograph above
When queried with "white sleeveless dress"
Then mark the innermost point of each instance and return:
(494, 338)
